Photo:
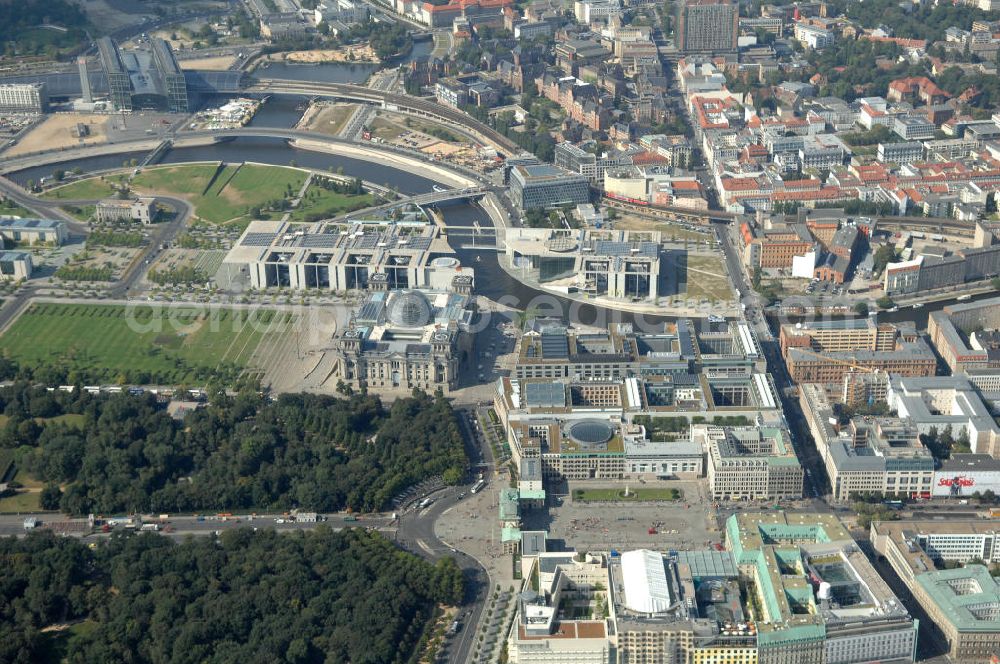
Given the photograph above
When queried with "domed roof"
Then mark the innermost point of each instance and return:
(591, 432)
(408, 309)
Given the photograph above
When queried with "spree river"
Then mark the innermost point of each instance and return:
(492, 281)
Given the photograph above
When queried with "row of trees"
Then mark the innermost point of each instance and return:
(241, 452)
(177, 275)
(115, 238)
(348, 596)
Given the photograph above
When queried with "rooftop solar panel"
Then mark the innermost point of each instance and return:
(315, 240)
(608, 248)
(367, 241)
(418, 243)
(258, 239)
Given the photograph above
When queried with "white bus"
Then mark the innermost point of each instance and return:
(478, 486)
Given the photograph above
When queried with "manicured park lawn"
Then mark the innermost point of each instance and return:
(329, 204)
(617, 495)
(226, 198)
(89, 189)
(234, 189)
(170, 345)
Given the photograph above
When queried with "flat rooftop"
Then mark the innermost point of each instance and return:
(570, 629)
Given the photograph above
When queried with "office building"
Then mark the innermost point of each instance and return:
(775, 246)
(23, 97)
(552, 350)
(171, 76)
(867, 455)
(750, 463)
(400, 340)
(143, 78)
(33, 231)
(817, 598)
(616, 264)
(15, 265)
(961, 333)
(589, 11)
(544, 186)
(913, 127)
(541, 635)
(965, 475)
(707, 26)
(143, 210)
(963, 602)
(345, 256)
(813, 36)
(826, 351)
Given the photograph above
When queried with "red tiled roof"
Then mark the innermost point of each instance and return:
(924, 84)
(905, 43)
(826, 193)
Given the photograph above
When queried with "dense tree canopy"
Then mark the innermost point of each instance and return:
(247, 597)
(21, 32)
(244, 452)
(912, 21)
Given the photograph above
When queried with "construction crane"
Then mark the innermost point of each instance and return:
(846, 363)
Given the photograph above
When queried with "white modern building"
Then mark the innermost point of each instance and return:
(15, 265)
(23, 97)
(345, 256)
(945, 403)
(616, 264)
(32, 231)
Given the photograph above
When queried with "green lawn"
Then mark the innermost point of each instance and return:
(184, 179)
(328, 204)
(22, 501)
(252, 186)
(226, 200)
(26, 480)
(170, 345)
(617, 495)
(83, 213)
(10, 208)
(89, 189)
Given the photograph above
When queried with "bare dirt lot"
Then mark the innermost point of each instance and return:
(327, 118)
(57, 132)
(216, 63)
(355, 53)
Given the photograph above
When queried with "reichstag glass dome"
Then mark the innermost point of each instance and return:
(408, 309)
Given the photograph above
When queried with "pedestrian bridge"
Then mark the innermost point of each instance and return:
(421, 200)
